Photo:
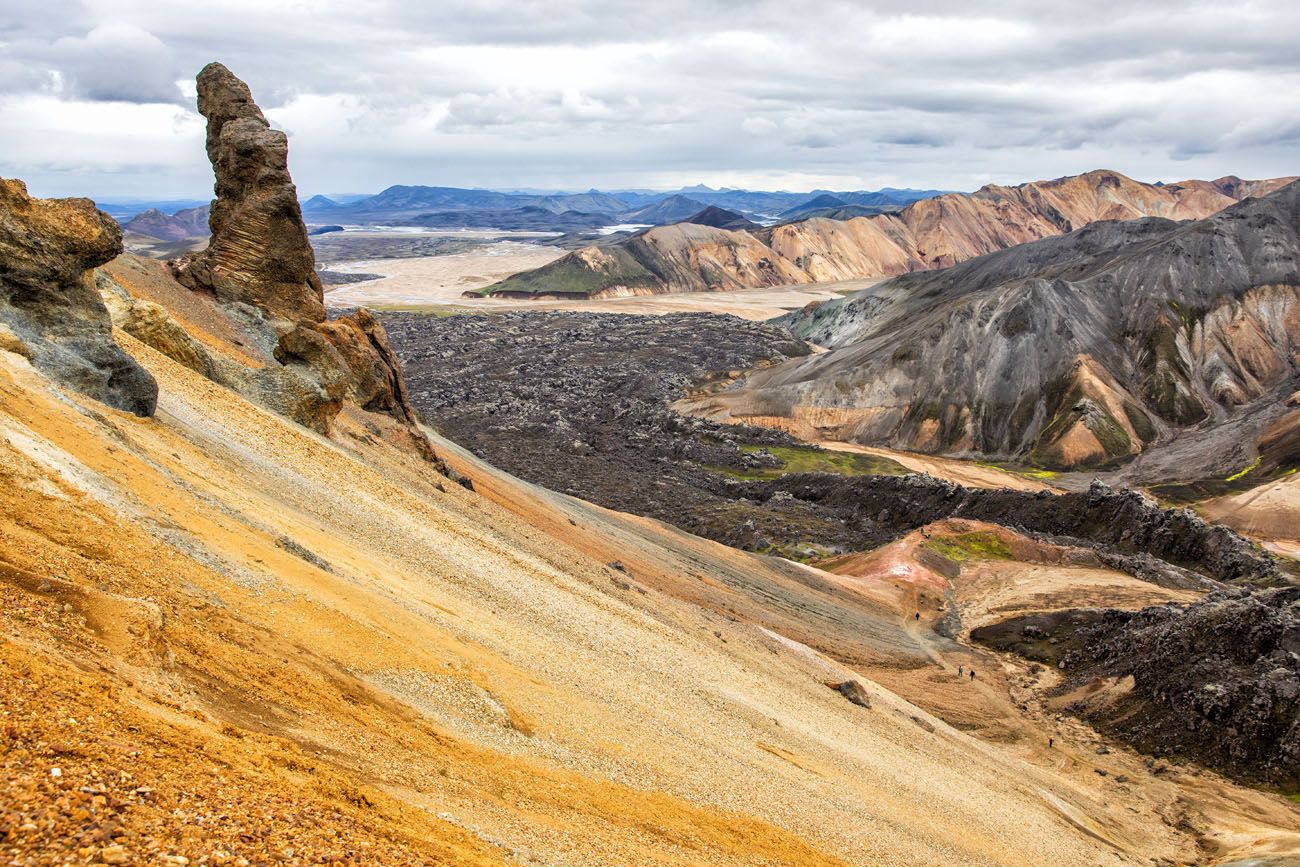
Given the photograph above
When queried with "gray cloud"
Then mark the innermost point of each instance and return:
(117, 62)
(834, 94)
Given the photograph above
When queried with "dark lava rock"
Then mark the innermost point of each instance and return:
(1217, 681)
(48, 301)
(1170, 547)
(579, 403)
(344, 278)
(854, 692)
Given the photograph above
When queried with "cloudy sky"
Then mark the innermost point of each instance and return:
(96, 96)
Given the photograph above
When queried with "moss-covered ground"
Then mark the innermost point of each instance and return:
(806, 459)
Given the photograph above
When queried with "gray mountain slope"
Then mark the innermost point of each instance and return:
(1079, 350)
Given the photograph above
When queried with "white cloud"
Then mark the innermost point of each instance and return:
(627, 93)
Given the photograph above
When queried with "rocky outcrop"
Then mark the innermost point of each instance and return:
(1130, 531)
(1217, 681)
(259, 253)
(49, 308)
(1077, 351)
(260, 264)
(930, 233)
(375, 382)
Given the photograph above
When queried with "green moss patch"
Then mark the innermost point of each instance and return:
(1166, 375)
(805, 459)
(1254, 465)
(976, 545)
(1025, 472)
(1109, 433)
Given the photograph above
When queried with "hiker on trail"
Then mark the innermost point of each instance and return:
(1051, 742)
(961, 669)
(918, 615)
(972, 674)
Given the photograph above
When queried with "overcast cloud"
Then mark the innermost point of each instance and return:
(96, 97)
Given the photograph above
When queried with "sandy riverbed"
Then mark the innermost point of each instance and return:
(437, 282)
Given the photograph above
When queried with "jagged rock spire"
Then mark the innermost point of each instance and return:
(259, 253)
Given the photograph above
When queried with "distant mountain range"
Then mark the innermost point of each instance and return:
(408, 203)
(185, 223)
(672, 209)
(123, 212)
(527, 211)
(833, 207)
(930, 233)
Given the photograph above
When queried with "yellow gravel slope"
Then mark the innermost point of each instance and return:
(236, 639)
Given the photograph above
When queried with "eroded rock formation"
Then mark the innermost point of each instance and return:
(49, 308)
(260, 263)
(259, 253)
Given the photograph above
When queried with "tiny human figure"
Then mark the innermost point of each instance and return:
(1051, 742)
(972, 674)
(961, 669)
(918, 615)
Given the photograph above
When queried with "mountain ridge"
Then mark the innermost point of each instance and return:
(1075, 350)
(927, 234)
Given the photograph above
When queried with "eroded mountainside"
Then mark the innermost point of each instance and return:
(1071, 351)
(930, 233)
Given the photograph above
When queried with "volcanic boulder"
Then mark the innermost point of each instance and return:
(50, 310)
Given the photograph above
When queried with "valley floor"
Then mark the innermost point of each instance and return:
(436, 283)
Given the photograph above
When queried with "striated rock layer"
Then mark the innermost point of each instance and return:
(261, 267)
(49, 309)
(1081, 350)
(930, 233)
